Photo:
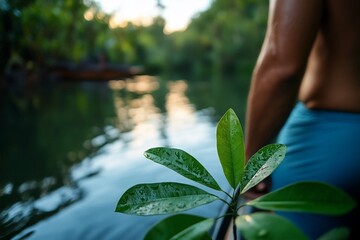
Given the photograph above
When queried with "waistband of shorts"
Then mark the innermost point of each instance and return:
(330, 115)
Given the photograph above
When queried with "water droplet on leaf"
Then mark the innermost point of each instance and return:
(262, 233)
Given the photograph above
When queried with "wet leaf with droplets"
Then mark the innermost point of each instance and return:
(267, 226)
(261, 165)
(230, 147)
(182, 163)
(162, 198)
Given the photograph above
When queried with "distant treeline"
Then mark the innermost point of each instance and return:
(42, 33)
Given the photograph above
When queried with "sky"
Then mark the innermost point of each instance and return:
(177, 13)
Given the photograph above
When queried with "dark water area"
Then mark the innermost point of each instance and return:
(68, 151)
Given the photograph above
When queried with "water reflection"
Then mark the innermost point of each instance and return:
(178, 105)
(43, 135)
(133, 101)
(73, 150)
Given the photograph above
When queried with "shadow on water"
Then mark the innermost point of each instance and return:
(56, 140)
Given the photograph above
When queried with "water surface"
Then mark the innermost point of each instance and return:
(68, 151)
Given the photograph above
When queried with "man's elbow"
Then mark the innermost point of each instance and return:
(282, 73)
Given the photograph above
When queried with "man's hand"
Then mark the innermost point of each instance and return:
(259, 190)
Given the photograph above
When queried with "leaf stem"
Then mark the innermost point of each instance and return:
(231, 197)
(241, 205)
(225, 202)
(234, 228)
(228, 215)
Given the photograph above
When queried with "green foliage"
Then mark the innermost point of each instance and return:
(230, 147)
(167, 197)
(267, 226)
(162, 198)
(261, 165)
(224, 38)
(227, 36)
(182, 163)
(198, 231)
(305, 197)
(336, 234)
(171, 226)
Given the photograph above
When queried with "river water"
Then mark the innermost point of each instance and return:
(68, 151)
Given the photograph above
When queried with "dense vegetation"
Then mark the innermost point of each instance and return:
(39, 33)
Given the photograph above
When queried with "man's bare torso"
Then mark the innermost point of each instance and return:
(332, 77)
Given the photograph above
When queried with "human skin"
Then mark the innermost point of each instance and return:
(311, 53)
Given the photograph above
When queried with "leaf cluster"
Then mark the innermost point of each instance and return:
(172, 197)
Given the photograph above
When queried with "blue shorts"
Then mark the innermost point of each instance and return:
(323, 146)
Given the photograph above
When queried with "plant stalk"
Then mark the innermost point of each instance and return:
(234, 228)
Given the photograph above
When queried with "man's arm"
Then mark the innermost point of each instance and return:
(292, 29)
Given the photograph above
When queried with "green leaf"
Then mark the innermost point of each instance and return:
(341, 233)
(182, 163)
(262, 164)
(162, 198)
(198, 231)
(169, 227)
(267, 226)
(312, 197)
(230, 147)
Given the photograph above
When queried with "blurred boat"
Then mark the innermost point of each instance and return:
(96, 72)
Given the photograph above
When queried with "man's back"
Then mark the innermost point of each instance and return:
(332, 78)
